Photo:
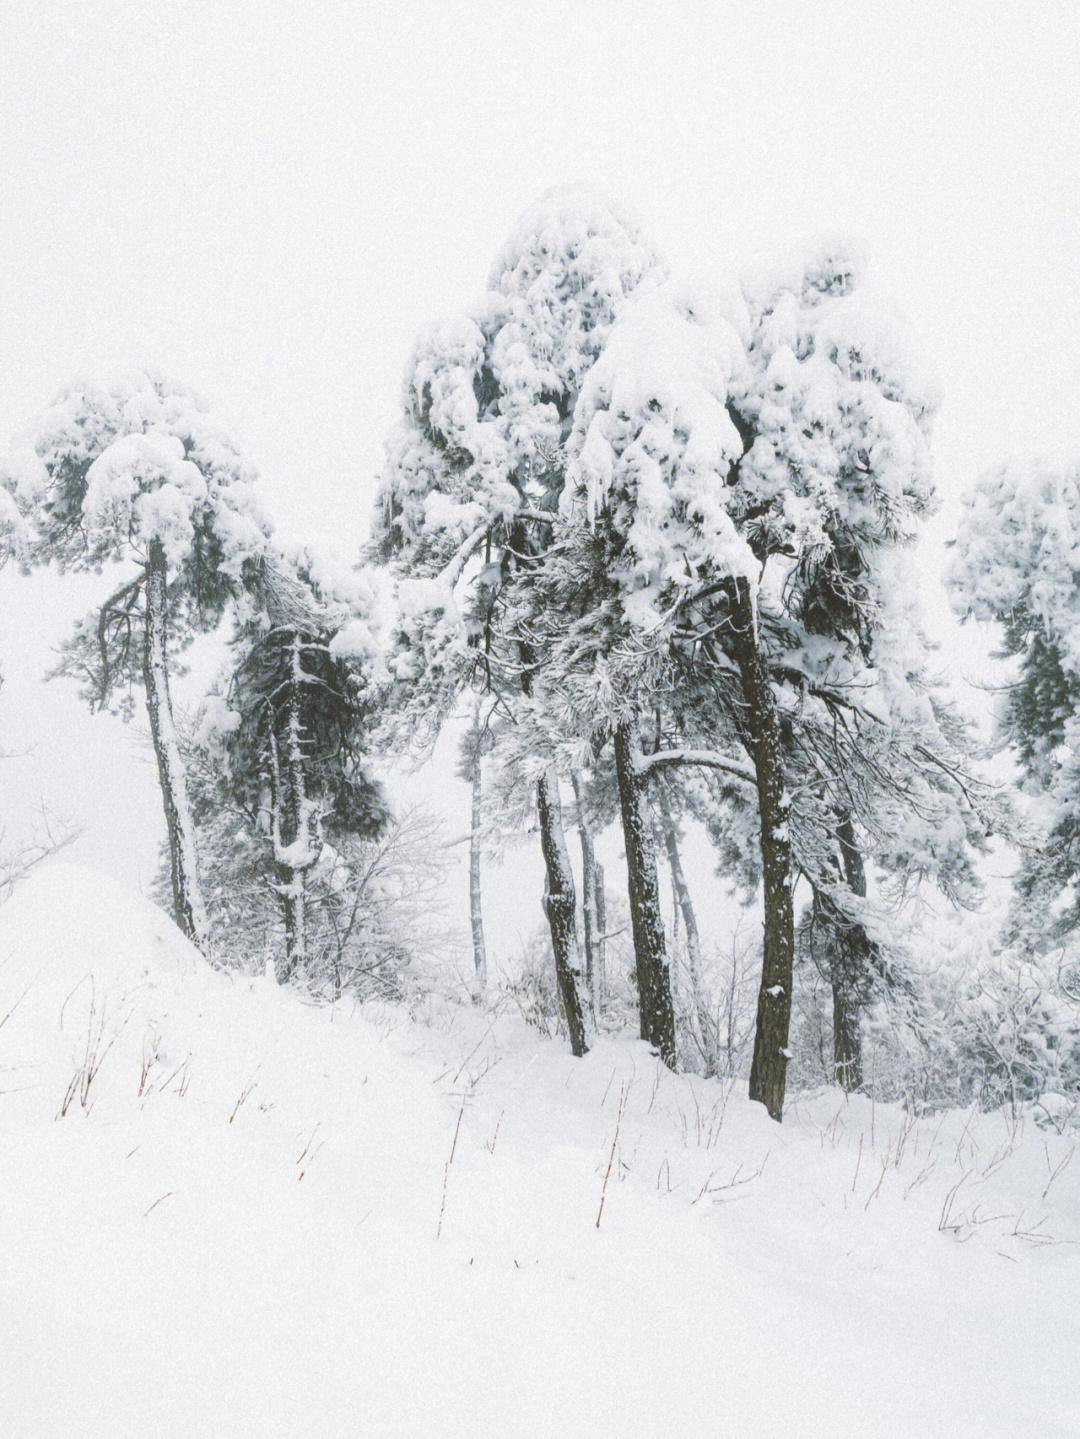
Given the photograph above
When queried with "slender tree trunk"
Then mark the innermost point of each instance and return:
(706, 1027)
(768, 1070)
(560, 907)
(475, 911)
(588, 895)
(560, 904)
(853, 954)
(296, 843)
(600, 946)
(657, 1012)
(187, 899)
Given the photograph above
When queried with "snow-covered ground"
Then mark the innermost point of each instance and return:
(323, 1221)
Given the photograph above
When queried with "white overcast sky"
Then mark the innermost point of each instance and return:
(266, 199)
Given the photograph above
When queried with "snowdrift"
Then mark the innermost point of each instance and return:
(84, 962)
(262, 1217)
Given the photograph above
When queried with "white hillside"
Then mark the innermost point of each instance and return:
(85, 964)
(268, 1239)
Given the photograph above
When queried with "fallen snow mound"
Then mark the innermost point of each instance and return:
(82, 960)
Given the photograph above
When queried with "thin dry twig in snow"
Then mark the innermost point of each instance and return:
(611, 1156)
(446, 1169)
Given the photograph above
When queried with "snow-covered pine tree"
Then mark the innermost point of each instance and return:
(468, 487)
(291, 721)
(1017, 566)
(834, 482)
(733, 461)
(136, 472)
(591, 605)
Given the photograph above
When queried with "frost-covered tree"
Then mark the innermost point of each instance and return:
(651, 440)
(1018, 566)
(137, 472)
(469, 487)
(744, 468)
(372, 906)
(291, 720)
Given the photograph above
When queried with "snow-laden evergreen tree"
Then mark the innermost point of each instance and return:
(465, 502)
(837, 392)
(743, 469)
(136, 472)
(291, 720)
(372, 906)
(1018, 566)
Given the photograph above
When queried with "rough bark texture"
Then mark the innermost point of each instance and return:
(706, 1028)
(768, 1069)
(475, 890)
(292, 904)
(588, 898)
(187, 899)
(559, 905)
(854, 954)
(650, 946)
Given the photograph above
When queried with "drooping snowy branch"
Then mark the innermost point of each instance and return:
(708, 759)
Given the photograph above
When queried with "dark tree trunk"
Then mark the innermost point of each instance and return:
(560, 904)
(588, 896)
(292, 906)
(768, 1069)
(706, 1028)
(560, 907)
(187, 900)
(847, 1041)
(650, 946)
(853, 956)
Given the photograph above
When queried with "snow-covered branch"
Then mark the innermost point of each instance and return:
(468, 547)
(666, 758)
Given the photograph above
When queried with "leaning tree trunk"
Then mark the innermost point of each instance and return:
(560, 908)
(476, 915)
(657, 1012)
(187, 899)
(768, 1069)
(559, 900)
(588, 896)
(706, 1027)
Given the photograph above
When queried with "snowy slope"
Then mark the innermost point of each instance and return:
(268, 1241)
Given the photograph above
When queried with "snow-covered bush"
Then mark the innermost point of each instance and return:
(1020, 1032)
